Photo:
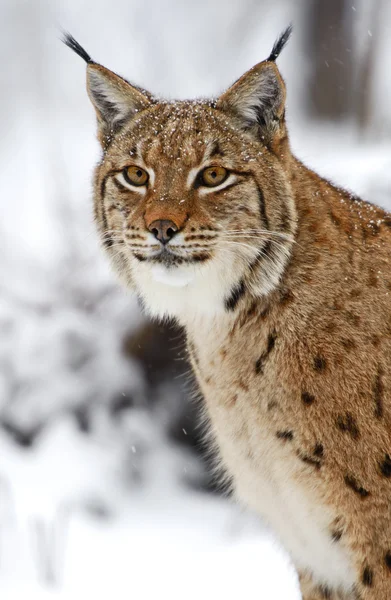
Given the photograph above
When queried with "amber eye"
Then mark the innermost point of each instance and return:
(136, 176)
(213, 176)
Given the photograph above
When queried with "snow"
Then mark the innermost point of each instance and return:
(339, 154)
(69, 531)
(112, 514)
(184, 563)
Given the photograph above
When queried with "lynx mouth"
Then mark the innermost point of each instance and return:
(167, 258)
(171, 260)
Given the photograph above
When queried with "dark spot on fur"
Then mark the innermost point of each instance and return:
(348, 344)
(259, 366)
(319, 363)
(367, 577)
(355, 293)
(286, 297)
(271, 340)
(232, 401)
(307, 398)
(387, 557)
(336, 535)
(353, 318)
(347, 423)
(309, 460)
(139, 257)
(330, 327)
(337, 305)
(202, 257)
(385, 466)
(387, 221)
(325, 592)
(375, 340)
(252, 310)
(259, 363)
(378, 391)
(134, 236)
(216, 150)
(243, 385)
(285, 435)
(237, 292)
(313, 226)
(113, 208)
(355, 486)
(336, 529)
(372, 278)
(319, 450)
(272, 404)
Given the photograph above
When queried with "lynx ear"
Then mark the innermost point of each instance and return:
(115, 100)
(257, 99)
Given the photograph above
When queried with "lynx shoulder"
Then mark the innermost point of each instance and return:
(283, 284)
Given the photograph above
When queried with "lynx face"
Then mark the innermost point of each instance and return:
(193, 195)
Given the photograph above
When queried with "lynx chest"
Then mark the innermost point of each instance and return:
(271, 473)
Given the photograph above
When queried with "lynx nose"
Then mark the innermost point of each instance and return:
(163, 230)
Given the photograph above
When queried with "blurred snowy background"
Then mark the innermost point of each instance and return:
(104, 490)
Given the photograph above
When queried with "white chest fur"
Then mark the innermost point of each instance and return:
(266, 481)
(269, 478)
(301, 524)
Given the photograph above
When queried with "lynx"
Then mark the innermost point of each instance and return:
(282, 282)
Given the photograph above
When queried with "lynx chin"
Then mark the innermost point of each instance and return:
(283, 284)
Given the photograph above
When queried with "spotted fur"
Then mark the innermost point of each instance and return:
(282, 283)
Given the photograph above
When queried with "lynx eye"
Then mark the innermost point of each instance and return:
(135, 176)
(213, 176)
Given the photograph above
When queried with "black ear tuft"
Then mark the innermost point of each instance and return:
(75, 46)
(280, 43)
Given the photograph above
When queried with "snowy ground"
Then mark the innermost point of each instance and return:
(182, 547)
(338, 153)
(67, 532)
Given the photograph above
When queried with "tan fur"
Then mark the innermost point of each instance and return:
(287, 309)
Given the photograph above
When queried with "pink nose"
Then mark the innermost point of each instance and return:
(163, 230)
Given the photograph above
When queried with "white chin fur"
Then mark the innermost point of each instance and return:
(187, 292)
(174, 277)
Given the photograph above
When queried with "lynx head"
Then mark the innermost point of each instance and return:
(192, 200)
